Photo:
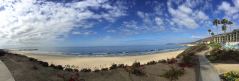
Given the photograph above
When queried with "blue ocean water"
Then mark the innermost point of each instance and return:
(108, 50)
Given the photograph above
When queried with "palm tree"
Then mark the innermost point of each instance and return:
(230, 23)
(224, 21)
(209, 31)
(224, 28)
(216, 22)
(212, 34)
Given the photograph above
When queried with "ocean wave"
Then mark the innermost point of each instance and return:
(102, 52)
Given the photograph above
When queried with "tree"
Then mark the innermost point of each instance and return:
(224, 28)
(212, 34)
(216, 22)
(209, 31)
(224, 21)
(230, 23)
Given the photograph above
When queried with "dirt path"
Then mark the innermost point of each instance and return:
(5, 74)
(207, 71)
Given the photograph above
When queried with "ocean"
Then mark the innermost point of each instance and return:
(104, 50)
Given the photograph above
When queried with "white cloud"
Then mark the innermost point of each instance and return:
(201, 4)
(83, 32)
(36, 21)
(151, 21)
(230, 10)
(185, 9)
(184, 16)
(182, 19)
(198, 36)
(130, 27)
(148, 24)
(159, 21)
(201, 15)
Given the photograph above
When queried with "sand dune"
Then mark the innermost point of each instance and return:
(100, 62)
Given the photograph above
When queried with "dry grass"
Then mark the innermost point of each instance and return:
(193, 49)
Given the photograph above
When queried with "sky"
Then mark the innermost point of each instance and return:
(110, 22)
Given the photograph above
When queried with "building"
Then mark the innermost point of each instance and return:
(230, 37)
(204, 41)
(227, 37)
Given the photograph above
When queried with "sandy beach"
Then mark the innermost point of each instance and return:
(223, 68)
(100, 62)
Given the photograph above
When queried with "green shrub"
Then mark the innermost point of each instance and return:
(230, 76)
(222, 55)
(193, 50)
(121, 66)
(85, 70)
(96, 70)
(113, 66)
(138, 71)
(104, 69)
(69, 69)
(71, 66)
(162, 61)
(173, 74)
(69, 77)
(2, 52)
(135, 70)
(151, 63)
(136, 64)
(32, 59)
(75, 70)
(215, 45)
(52, 65)
(188, 59)
(171, 61)
(45, 64)
(59, 67)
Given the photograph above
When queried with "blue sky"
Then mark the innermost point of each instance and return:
(110, 22)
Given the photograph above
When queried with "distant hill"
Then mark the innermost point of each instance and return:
(170, 44)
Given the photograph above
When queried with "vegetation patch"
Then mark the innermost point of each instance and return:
(193, 50)
(223, 55)
(96, 70)
(215, 45)
(85, 70)
(104, 69)
(136, 69)
(151, 63)
(230, 76)
(121, 66)
(113, 66)
(173, 74)
(2, 52)
(72, 77)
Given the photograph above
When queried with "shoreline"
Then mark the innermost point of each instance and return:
(85, 55)
(98, 62)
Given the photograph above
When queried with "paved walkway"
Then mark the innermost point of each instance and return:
(207, 72)
(5, 74)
